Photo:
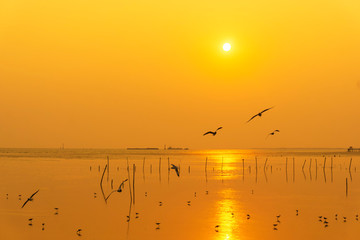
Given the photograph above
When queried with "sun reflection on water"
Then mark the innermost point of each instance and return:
(227, 216)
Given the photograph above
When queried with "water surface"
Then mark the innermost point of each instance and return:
(233, 189)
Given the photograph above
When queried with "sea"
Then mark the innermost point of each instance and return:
(179, 194)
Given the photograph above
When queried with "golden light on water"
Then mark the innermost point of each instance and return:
(228, 222)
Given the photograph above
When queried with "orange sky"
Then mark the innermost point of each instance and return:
(148, 73)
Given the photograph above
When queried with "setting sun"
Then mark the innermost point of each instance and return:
(226, 47)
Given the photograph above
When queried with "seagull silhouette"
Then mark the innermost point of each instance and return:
(176, 168)
(259, 114)
(119, 189)
(30, 198)
(273, 133)
(213, 133)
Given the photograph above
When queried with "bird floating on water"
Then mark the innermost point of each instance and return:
(213, 133)
(259, 114)
(30, 198)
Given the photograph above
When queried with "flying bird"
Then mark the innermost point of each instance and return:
(30, 198)
(259, 114)
(273, 133)
(176, 168)
(119, 189)
(213, 133)
(121, 185)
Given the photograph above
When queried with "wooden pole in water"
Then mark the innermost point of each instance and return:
(159, 164)
(134, 169)
(286, 169)
(265, 164)
(324, 162)
(350, 164)
(303, 165)
(293, 169)
(160, 169)
(108, 168)
(350, 169)
(144, 169)
(331, 163)
(102, 177)
(130, 192)
(168, 164)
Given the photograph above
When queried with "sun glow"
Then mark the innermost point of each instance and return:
(226, 47)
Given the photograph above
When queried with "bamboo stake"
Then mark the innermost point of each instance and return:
(293, 169)
(101, 188)
(286, 169)
(350, 164)
(144, 169)
(265, 163)
(331, 163)
(130, 192)
(160, 169)
(303, 165)
(134, 169)
(315, 168)
(108, 169)
(102, 177)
